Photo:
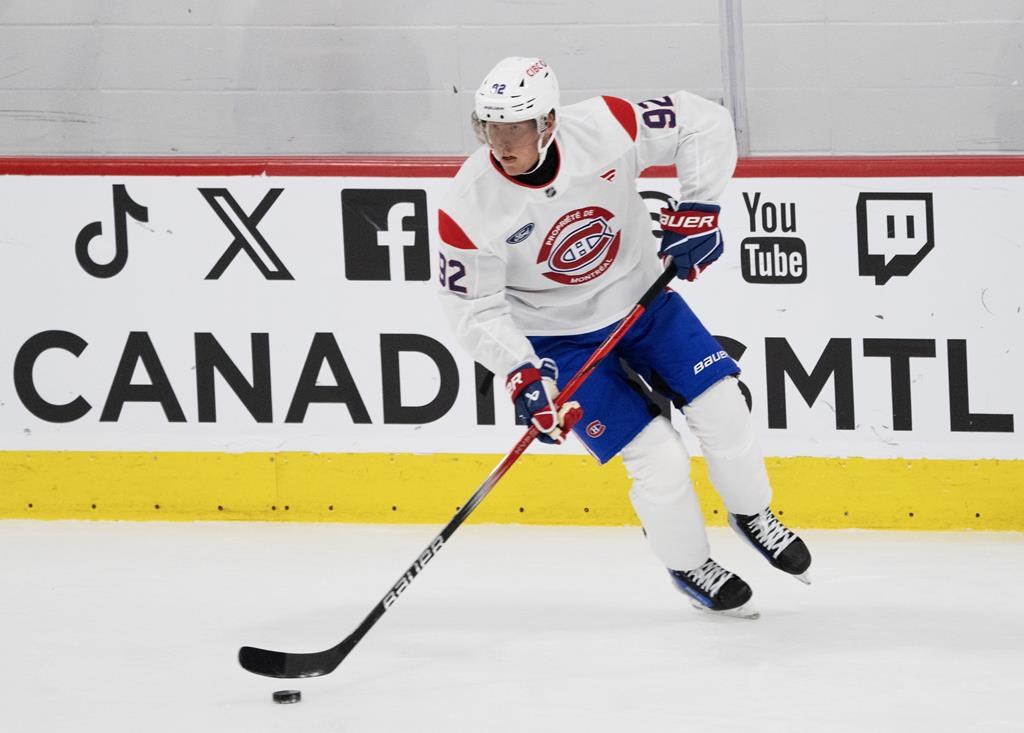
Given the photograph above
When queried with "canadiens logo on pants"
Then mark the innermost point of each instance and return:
(595, 429)
(581, 245)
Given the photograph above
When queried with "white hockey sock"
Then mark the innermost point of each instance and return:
(722, 423)
(663, 496)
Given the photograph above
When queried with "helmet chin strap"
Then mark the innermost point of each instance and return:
(542, 148)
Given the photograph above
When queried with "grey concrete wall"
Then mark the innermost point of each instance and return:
(885, 76)
(396, 76)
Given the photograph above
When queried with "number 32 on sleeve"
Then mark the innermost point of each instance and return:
(449, 272)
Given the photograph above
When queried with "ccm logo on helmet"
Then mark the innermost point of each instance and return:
(708, 361)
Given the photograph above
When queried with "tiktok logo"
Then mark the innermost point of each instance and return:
(385, 233)
(124, 207)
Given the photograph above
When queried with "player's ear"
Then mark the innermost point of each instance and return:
(549, 130)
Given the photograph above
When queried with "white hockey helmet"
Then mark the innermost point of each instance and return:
(516, 89)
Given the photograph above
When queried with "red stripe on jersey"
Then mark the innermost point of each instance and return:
(451, 233)
(623, 112)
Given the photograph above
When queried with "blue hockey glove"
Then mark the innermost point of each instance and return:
(533, 391)
(690, 236)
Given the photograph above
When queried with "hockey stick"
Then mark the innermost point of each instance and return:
(314, 664)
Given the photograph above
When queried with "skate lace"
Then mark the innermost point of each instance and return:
(770, 532)
(709, 577)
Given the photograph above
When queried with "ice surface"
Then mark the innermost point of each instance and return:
(122, 627)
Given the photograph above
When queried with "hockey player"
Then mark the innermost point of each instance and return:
(546, 244)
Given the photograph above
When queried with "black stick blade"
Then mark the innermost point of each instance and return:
(289, 666)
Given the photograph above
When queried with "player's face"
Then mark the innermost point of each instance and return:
(514, 145)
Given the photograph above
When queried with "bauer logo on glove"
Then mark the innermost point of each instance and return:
(533, 391)
(690, 236)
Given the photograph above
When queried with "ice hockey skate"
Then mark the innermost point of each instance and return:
(714, 589)
(779, 545)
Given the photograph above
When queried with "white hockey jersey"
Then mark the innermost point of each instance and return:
(576, 254)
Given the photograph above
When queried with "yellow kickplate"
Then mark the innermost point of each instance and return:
(409, 488)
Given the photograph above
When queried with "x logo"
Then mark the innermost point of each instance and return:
(250, 240)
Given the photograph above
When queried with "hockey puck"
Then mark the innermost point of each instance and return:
(285, 697)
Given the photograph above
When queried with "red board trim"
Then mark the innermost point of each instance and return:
(446, 167)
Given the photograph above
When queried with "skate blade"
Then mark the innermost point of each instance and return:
(746, 611)
(804, 577)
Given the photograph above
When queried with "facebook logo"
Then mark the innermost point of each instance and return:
(895, 231)
(385, 234)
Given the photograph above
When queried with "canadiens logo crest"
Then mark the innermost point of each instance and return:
(581, 245)
(595, 429)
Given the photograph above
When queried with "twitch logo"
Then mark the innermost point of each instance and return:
(385, 234)
(895, 231)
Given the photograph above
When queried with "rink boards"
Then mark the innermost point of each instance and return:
(236, 339)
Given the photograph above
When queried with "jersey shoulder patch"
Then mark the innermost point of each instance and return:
(623, 112)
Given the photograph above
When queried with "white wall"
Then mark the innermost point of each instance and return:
(396, 76)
